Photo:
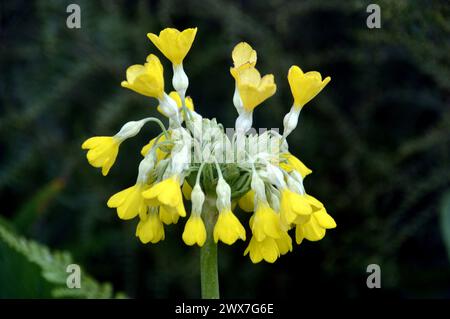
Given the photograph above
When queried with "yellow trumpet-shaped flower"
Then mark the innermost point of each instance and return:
(150, 229)
(293, 163)
(129, 202)
(294, 207)
(174, 44)
(102, 151)
(166, 193)
(316, 227)
(265, 223)
(305, 86)
(228, 228)
(253, 89)
(194, 231)
(147, 79)
(174, 95)
(269, 249)
(160, 154)
(168, 215)
(247, 202)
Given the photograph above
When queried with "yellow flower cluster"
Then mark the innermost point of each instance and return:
(275, 194)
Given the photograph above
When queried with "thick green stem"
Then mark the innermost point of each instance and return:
(208, 263)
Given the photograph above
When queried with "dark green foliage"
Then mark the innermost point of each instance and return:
(377, 139)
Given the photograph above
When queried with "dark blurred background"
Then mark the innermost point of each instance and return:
(377, 139)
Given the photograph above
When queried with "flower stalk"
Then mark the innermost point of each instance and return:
(209, 276)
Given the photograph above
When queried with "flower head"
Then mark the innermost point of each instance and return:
(305, 86)
(174, 44)
(146, 79)
(256, 172)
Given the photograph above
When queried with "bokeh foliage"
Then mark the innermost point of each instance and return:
(377, 139)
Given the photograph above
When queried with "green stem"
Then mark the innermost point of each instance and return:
(208, 262)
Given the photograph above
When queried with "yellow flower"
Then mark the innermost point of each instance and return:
(147, 79)
(284, 243)
(166, 193)
(242, 54)
(228, 228)
(150, 229)
(243, 57)
(247, 202)
(168, 216)
(293, 163)
(102, 151)
(269, 248)
(129, 202)
(174, 44)
(266, 249)
(294, 207)
(174, 95)
(305, 86)
(315, 228)
(265, 223)
(160, 154)
(194, 231)
(253, 89)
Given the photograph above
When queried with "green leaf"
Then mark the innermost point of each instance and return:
(53, 266)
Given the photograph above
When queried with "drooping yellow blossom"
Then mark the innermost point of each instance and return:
(194, 231)
(269, 249)
(253, 89)
(150, 229)
(265, 223)
(146, 79)
(166, 193)
(168, 215)
(293, 163)
(129, 202)
(174, 44)
(228, 228)
(160, 154)
(294, 207)
(247, 202)
(284, 243)
(305, 86)
(174, 95)
(102, 151)
(315, 228)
